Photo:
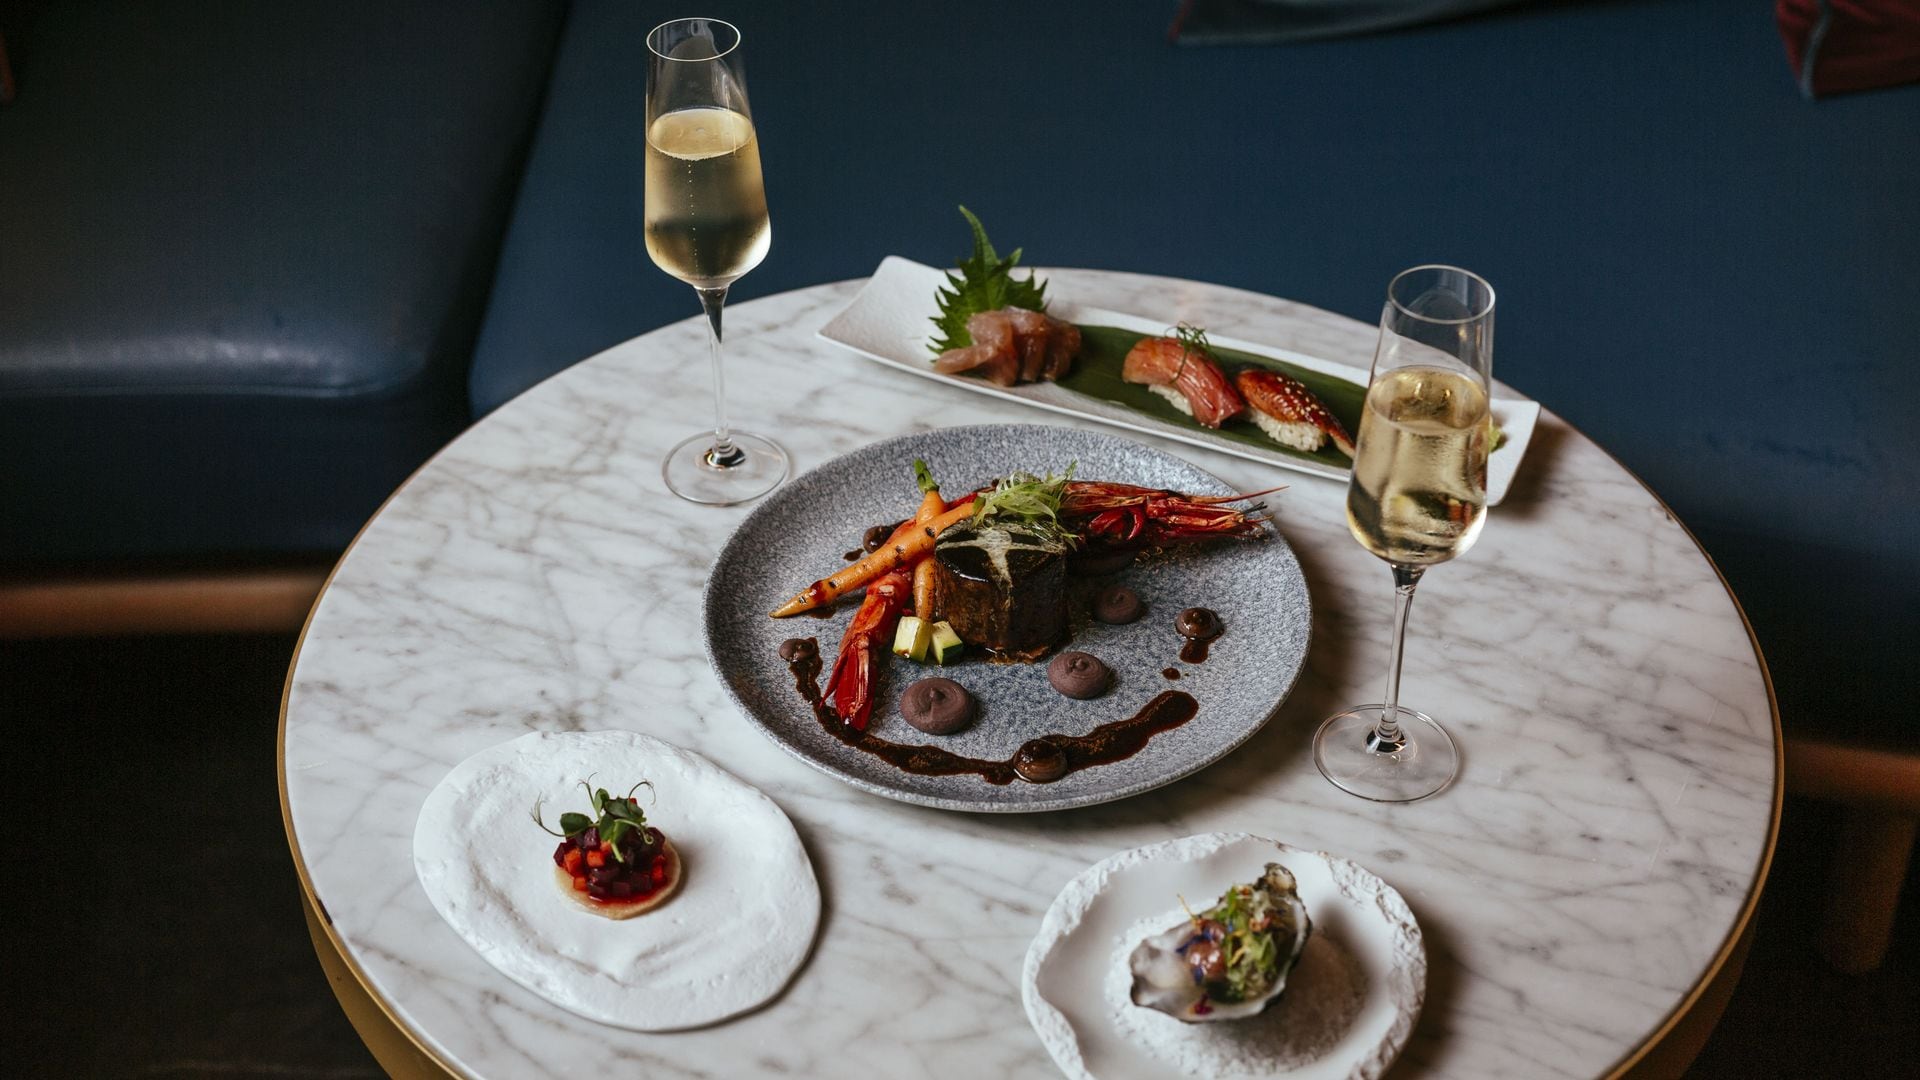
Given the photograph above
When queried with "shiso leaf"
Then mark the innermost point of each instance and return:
(985, 282)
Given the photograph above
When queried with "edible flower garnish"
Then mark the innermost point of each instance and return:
(985, 282)
(614, 817)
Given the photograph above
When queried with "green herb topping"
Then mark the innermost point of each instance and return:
(985, 283)
(1251, 926)
(1193, 339)
(614, 817)
(1025, 499)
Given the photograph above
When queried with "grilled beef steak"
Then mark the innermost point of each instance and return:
(1003, 587)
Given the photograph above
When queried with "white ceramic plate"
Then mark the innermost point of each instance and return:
(730, 937)
(887, 322)
(1348, 1008)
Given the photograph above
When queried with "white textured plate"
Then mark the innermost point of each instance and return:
(888, 322)
(1348, 1008)
(730, 937)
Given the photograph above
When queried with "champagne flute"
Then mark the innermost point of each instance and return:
(706, 224)
(1417, 496)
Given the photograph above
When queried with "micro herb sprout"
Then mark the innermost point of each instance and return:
(614, 817)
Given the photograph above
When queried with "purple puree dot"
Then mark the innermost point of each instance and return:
(937, 706)
(1079, 675)
(1117, 604)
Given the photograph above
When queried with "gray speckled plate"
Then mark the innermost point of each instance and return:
(802, 529)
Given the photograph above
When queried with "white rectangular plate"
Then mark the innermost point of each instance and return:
(888, 322)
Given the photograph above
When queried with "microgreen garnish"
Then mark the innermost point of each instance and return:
(985, 282)
(924, 477)
(1251, 924)
(1025, 499)
(1192, 339)
(614, 817)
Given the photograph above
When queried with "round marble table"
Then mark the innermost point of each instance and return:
(1589, 873)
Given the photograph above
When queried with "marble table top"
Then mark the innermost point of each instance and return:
(1604, 843)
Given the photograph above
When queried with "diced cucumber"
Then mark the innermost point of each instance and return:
(946, 645)
(911, 639)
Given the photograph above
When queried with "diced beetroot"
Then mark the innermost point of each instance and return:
(620, 889)
(659, 872)
(580, 884)
(573, 861)
(595, 859)
(598, 892)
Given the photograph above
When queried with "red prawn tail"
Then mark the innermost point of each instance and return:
(851, 687)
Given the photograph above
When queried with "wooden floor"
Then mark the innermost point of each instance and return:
(176, 946)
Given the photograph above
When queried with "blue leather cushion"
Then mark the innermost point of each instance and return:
(1710, 275)
(243, 253)
(1242, 22)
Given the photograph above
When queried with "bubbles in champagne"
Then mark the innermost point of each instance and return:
(706, 207)
(1419, 490)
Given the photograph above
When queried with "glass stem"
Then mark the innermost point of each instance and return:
(724, 454)
(1386, 736)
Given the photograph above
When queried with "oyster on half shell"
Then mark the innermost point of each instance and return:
(1231, 960)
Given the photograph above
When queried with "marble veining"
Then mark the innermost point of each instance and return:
(1573, 885)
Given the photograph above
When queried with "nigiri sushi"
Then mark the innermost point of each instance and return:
(1014, 345)
(1181, 370)
(1289, 413)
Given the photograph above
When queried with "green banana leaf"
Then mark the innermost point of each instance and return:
(1097, 374)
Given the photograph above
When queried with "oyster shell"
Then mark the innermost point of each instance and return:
(1230, 961)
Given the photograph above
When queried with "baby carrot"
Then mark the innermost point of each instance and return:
(909, 543)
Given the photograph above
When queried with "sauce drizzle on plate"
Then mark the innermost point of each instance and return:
(1108, 743)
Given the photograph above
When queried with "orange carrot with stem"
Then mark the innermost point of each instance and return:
(931, 505)
(912, 541)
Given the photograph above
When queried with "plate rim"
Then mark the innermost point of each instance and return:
(939, 802)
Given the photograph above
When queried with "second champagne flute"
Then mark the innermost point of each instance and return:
(706, 224)
(1417, 497)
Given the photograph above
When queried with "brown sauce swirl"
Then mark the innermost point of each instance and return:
(1108, 743)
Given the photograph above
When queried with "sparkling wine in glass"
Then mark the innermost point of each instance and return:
(706, 224)
(1417, 497)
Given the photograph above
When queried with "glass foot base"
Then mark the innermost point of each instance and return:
(755, 467)
(1425, 762)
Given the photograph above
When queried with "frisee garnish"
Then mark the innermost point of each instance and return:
(1026, 499)
(985, 282)
(614, 817)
